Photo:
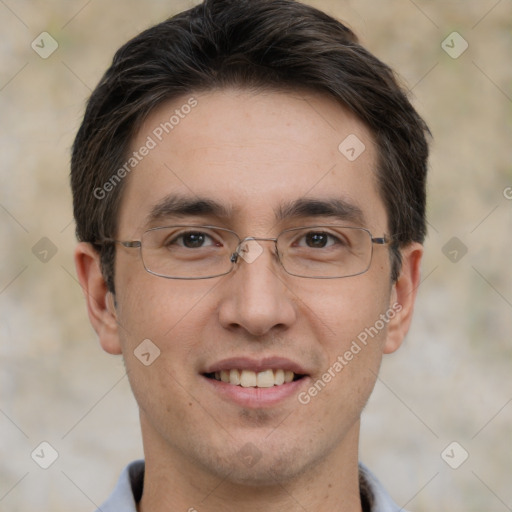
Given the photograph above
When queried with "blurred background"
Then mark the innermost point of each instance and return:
(438, 428)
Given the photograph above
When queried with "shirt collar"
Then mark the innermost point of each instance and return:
(128, 491)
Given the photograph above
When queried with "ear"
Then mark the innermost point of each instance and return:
(403, 296)
(100, 302)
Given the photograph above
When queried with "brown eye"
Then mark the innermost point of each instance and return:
(190, 240)
(194, 240)
(318, 240)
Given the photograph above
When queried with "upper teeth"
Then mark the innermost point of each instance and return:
(248, 378)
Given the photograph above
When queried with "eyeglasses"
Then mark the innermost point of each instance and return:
(204, 252)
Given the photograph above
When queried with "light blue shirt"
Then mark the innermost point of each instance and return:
(129, 490)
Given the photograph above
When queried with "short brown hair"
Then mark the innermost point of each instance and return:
(273, 44)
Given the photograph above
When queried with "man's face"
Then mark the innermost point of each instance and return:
(255, 155)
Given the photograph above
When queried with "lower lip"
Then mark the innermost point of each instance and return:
(256, 397)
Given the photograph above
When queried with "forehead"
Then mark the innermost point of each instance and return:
(254, 154)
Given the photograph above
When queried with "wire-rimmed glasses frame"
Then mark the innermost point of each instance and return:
(350, 255)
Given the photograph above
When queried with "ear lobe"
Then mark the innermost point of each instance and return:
(100, 302)
(403, 296)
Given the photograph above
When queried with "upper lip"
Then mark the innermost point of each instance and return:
(257, 365)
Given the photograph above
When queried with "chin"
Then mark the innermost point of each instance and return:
(251, 467)
(263, 474)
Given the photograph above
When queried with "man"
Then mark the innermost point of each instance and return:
(249, 191)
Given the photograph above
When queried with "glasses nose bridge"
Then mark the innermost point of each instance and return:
(256, 238)
(242, 247)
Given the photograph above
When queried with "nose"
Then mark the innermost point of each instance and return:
(255, 296)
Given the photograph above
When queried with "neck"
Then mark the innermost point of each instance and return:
(174, 482)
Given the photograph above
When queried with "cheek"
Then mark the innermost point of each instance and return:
(353, 342)
(343, 309)
(157, 308)
(351, 325)
(161, 322)
(166, 319)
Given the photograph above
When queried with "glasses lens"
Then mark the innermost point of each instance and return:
(325, 251)
(188, 252)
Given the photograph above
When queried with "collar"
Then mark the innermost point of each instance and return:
(128, 491)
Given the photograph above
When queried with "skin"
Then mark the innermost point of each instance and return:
(251, 152)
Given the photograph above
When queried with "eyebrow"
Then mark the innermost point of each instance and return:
(180, 206)
(334, 207)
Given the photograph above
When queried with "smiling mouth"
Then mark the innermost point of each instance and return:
(250, 379)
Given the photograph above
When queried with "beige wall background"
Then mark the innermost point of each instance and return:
(449, 383)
